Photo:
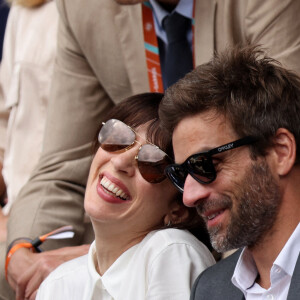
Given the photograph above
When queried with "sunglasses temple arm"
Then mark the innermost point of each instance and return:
(241, 142)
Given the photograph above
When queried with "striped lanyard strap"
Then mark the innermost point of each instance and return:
(152, 50)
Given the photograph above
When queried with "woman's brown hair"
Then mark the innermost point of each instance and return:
(141, 109)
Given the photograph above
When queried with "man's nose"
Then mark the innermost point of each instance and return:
(194, 192)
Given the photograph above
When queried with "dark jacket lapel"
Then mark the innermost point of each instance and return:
(294, 291)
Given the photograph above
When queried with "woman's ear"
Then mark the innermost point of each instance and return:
(284, 150)
(178, 214)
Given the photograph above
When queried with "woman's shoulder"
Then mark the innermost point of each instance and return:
(70, 268)
(169, 246)
(68, 279)
(172, 238)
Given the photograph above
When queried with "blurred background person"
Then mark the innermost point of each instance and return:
(25, 76)
(4, 9)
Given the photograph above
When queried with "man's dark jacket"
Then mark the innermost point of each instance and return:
(215, 282)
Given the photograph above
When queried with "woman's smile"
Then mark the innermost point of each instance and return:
(111, 190)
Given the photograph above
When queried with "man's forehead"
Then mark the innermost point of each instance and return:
(201, 132)
(203, 122)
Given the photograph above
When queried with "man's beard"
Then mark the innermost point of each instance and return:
(257, 198)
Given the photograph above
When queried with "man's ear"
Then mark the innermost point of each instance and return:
(284, 150)
(177, 214)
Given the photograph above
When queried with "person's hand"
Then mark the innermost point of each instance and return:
(27, 270)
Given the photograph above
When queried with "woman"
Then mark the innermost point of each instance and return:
(137, 253)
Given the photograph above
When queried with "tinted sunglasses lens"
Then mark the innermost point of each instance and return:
(115, 135)
(177, 174)
(152, 162)
(202, 168)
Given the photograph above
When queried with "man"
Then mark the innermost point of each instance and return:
(235, 127)
(101, 60)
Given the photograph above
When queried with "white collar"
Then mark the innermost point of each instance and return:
(246, 272)
(114, 275)
(184, 7)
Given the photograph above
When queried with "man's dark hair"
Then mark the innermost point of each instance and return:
(253, 91)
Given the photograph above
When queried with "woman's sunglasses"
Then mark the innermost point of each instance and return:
(116, 136)
(200, 165)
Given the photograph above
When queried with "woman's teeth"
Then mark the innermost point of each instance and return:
(112, 189)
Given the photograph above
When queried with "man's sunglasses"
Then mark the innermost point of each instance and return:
(116, 136)
(200, 165)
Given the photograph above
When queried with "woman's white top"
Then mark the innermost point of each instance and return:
(25, 78)
(162, 266)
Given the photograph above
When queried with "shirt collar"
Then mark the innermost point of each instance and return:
(246, 272)
(184, 7)
(94, 275)
(288, 256)
(114, 275)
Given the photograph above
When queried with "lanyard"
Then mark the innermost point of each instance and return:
(152, 50)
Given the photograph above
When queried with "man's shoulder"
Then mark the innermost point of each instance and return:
(220, 272)
(215, 282)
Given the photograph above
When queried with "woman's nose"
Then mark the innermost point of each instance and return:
(125, 161)
(194, 192)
